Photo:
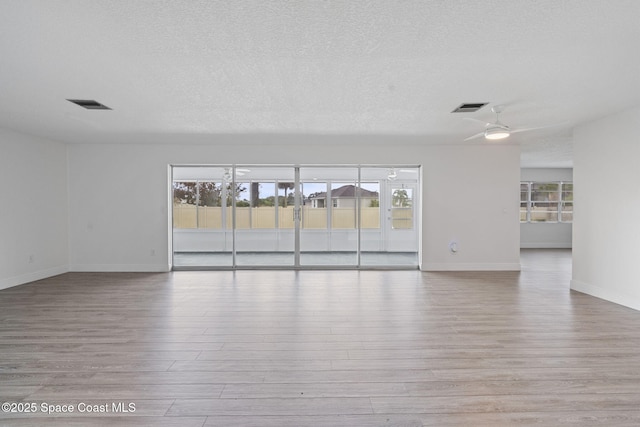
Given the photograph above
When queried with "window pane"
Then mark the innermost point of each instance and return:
(402, 208)
(200, 238)
(286, 204)
(209, 205)
(263, 205)
(369, 205)
(544, 211)
(567, 192)
(567, 212)
(343, 205)
(185, 197)
(524, 191)
(567, 196)
(523, 212)
(545, 186)
(243, 203)
(545, 192)
(314, 209)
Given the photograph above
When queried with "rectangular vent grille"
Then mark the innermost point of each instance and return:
(89, 104)
(469, 107)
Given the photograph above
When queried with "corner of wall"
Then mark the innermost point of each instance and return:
(607, 294)
(34, 242)
(32, 276)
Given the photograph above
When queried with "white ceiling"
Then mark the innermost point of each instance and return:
(174, 70)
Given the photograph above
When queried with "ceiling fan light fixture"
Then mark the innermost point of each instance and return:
(495, 133)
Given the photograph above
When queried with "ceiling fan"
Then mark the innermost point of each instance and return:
(393, 174)
(498, 130)
(239, 172)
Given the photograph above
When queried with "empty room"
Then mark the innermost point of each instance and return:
(319, 213)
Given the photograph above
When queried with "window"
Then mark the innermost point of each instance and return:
(343, 202)
(197, 204)
(369, 193)
(286, 204)
(566, 212)
(263, 204)
(524, 201)
(546, 202)
(209, 205)
(314, 212)
(185, 200)
(401, 208)
(545, 198)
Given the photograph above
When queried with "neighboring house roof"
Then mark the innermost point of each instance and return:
(345, 191)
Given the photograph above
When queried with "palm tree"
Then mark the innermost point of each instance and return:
(286, 186)
(400, 199)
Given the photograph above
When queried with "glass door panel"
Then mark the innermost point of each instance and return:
(265, 233)
(372, 234)
(328, 233)
(401, 208)
(402, 220)
(202, 236)
(286, 204)
(392, 241)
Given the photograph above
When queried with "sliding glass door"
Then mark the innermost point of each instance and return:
(265, 216)
(259, 216)
(329, 234)
(202, 217)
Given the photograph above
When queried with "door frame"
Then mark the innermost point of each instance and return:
(386, 229)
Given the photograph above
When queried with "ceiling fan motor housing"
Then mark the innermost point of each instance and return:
(497, 131)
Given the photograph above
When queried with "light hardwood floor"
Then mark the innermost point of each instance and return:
(322, 348)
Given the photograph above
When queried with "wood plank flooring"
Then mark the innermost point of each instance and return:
(321, 348)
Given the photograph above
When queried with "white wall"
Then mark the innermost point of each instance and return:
(470, 197)
(606, 238)
(33, 209)
(119, 195)
(546, 234)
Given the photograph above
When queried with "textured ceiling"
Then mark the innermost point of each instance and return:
(179, 69)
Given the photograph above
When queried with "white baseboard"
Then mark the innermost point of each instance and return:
(33, 276)
(552, 245)
(471, 267)
(606, 294)
(120, 268)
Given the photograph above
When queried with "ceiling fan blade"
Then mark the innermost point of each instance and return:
(477, 135)
(538, 127)
(484, 123)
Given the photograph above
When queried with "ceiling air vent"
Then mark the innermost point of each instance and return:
(469, 107)
(89, 104)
